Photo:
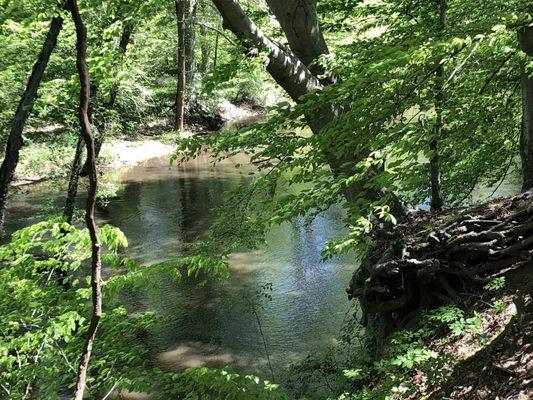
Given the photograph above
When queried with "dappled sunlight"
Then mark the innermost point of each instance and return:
(194, 355)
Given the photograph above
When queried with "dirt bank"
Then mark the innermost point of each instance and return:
(41, 163)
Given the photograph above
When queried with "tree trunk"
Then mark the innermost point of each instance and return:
(205, 51)
(180, 92)
(15, 141)
(73, 182)
(286, 69)
(297, 79)
(525, 38)
(435, 164)
(215, 58)
(299, 21)
(125, 39)
(96, 266)
(101, 123)
(190, 43)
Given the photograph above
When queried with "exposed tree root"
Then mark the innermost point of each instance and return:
(434, 259)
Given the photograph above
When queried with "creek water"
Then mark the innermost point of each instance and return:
(163, 208)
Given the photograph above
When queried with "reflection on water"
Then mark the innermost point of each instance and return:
(162, 208)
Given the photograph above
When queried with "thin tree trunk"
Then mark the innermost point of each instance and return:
(96, 266)
(76, 170)
(205, 51)
(180, 92)
(525, 37)
(101, 123)
(437, 200)
(190, 50)
(24, 108)
(190, 43)
(73, 181)
(215, 58)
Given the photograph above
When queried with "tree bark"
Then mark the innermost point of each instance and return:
(437, 200)
(24, 108)
(180, 92)
(96, 266)
(299, 21)
(286, 69)
(525, 38)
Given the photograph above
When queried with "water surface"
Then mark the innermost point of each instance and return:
(161, 209)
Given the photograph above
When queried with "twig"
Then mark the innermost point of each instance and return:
(66, 358)
(493, 75)
(5, 389)
(215, 29)
(264, 341)
(460, 66)
(503, 177)
(111, 390)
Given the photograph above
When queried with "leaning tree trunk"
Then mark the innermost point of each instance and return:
(180, 92)
(24, 108)
(525, 37)
(435, 162)
(299, 21)
(96, 266)
(297, 79)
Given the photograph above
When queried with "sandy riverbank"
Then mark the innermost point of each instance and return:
(34, 168)
(41, 161)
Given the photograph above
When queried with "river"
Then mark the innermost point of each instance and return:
(161, 209)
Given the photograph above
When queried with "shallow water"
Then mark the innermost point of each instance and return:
(161, 209)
